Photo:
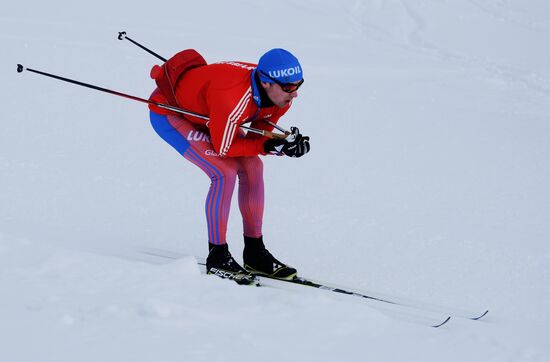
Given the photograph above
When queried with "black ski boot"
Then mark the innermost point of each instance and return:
(220, 263)
(258, 260)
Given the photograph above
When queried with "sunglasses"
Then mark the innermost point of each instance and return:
(286, 87)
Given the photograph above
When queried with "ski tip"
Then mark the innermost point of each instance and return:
(481, 316)
(121, 35)
(20, 68)
(442, 323)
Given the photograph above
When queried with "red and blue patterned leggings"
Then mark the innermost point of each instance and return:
(195, 146)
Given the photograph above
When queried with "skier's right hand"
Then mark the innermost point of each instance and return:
(295, 145)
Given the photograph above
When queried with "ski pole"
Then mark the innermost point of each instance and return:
(275, 125)
(21, 68)
(265, 133)
(122, 35)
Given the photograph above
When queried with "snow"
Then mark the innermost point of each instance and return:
(428, 179)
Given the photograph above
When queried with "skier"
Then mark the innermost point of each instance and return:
(230, 94)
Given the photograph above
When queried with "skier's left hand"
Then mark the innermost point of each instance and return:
(295, 145)
(299, 145)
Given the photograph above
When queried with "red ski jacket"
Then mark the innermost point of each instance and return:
(227, 93)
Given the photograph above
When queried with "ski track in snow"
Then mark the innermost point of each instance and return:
(415, 41)
(530, 80)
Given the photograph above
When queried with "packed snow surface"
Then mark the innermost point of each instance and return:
(428, 179)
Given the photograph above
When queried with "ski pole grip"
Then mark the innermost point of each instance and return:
(20, 68)
(274, 135)
(121, 35)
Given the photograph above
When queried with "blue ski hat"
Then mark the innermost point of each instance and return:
(279, 65)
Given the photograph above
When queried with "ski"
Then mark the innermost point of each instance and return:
(392, 300)
(455, 312)
(415, 315)
(435, 315)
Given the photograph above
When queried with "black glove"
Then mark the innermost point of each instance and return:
(295, 145)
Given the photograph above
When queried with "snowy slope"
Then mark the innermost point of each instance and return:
(428, 178)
